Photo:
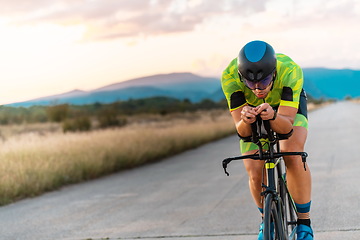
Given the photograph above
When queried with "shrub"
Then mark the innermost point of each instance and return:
(77, 124)
(109, 118)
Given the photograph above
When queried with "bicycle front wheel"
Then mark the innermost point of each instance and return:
(273, 222)
(288, 209)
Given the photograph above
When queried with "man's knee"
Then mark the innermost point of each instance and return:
(296, 142)
(255, 178)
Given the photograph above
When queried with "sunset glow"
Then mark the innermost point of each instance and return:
(51, 47)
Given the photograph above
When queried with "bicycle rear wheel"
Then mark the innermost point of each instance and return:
(273, 222)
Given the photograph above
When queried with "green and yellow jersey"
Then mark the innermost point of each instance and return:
(286, 91)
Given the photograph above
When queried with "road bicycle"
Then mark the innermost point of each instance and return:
(279, 207)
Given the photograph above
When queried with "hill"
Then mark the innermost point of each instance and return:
(175, 85)
(319, 83)
(332, 83)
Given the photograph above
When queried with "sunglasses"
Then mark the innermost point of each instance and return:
(262, 84)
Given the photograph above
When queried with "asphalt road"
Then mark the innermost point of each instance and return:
(188, 197)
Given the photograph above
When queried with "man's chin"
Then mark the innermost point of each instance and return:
(261, 96)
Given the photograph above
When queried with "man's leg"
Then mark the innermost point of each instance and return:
(299, 180)
(254, 170)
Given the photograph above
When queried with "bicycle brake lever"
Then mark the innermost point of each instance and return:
(226, 172)
(224, 164)
(303, 157)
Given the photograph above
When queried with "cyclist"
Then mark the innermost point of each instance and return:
(260, 82)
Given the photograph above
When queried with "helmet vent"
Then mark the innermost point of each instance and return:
(259, 75)
(251, 76)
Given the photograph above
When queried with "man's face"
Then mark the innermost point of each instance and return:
(262, 93)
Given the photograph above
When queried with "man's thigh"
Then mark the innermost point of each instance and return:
(296, 142)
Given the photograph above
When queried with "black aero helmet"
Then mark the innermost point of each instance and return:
(256, 61)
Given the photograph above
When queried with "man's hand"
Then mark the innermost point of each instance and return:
(266, 111)
(248, 114)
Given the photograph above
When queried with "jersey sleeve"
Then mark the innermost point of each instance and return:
(232, 87)
(292, 87)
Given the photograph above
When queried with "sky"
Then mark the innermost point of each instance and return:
(52, 47)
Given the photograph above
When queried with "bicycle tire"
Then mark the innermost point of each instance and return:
(288, 209)
(273, 214)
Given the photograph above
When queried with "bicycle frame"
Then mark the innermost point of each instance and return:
(272, 159)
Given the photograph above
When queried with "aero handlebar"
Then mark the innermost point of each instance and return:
(264, 156)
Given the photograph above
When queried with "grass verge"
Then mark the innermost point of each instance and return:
(32, 163)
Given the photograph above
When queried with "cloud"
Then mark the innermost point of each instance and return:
(11, 8)
(329, 12)
(127, 18)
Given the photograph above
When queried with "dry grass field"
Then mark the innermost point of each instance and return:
(40, 157)
(36, 158)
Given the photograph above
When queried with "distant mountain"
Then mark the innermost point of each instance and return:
(332, 83)
(73, 93)
(319, 83)
(173, 81)
(176, 85)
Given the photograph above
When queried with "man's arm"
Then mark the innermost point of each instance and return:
(284, 119)
(243, 117)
